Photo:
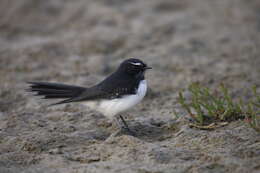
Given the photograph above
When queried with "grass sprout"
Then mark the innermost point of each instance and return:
(210, 109)
(253, 114)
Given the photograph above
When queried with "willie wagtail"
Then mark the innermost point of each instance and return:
(115, 94)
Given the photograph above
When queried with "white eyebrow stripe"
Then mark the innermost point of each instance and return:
(136, 63)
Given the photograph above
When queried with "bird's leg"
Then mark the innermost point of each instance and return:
(124, 122)
(125, 126)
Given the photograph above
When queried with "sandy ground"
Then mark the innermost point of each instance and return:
(82, 41)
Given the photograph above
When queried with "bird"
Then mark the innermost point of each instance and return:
(116, 94)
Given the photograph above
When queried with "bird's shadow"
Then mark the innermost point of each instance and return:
(146, 132)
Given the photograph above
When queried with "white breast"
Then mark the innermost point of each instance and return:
(112, 107)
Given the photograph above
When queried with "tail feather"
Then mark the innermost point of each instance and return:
(56, 91)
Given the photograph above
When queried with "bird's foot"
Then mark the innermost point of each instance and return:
(129, 131)
(124, 126)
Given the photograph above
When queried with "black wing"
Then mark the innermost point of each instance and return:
(115, 86)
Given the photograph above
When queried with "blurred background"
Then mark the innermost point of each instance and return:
(82, 41)
(62, 39)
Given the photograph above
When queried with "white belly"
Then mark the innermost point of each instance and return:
(112, 107)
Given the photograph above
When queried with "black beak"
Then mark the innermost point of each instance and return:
(147, 68)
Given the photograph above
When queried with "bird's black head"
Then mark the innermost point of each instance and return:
(134, 67)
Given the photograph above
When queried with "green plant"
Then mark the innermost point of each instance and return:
(207, 107)
(253, 116)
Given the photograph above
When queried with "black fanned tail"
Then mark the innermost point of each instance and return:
(56, 91)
